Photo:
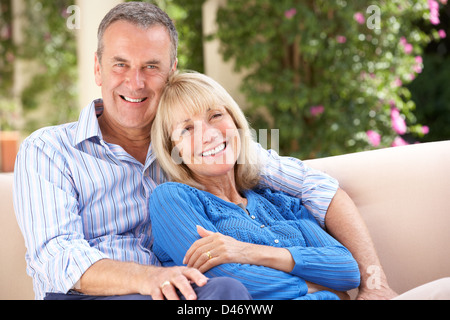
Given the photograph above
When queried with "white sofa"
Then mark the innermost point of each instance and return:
(15, 284)
(401, 192)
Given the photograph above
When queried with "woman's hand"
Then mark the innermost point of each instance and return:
(214, 249)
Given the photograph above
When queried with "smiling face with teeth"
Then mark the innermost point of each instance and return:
(133, 70)
(201, 137)
(208, 142)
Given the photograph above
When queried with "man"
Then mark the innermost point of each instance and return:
(82, 189)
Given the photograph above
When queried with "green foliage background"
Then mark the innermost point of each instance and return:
(430, 90)
(52, 48)
(321, 56)
(296, 54)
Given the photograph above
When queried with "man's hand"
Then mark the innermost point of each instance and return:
(376, 294)
(164, 281)
(108, 277)
(379, 292)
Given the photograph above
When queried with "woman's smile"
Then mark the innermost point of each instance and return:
(215, 151)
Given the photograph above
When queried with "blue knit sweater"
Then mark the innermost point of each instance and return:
(273, 219)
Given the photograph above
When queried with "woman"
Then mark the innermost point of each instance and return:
(213, 217)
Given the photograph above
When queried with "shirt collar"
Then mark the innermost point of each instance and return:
(88, 126)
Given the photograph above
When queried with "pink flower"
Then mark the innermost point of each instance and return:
(374, 138)
(433, 5)
(444, 2)
(425, 129)
(408, 48)
(317, 110)
(403, 41)
(397, 82)
(434, 19)
(359, 17)
(289, 14)
(398, 123)
(417, 68)
(341, 39)
(399, 142)
(442, 34)
(434, 11)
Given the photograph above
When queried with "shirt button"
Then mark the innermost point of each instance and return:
(262, 226)
(253, 217)
(277, 241)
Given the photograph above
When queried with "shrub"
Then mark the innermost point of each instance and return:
(329, 74)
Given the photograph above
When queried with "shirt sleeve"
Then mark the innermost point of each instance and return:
(46, 206)
(175, 213)
(290, 175)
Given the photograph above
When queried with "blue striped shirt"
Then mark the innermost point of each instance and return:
(272, 219)
(79, 199)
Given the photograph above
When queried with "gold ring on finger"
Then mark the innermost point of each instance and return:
(209, 255)
(165, 283)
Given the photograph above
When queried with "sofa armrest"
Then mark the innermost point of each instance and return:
(402, 195)
(14, 282)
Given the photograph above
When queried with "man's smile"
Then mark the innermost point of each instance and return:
(133, 100)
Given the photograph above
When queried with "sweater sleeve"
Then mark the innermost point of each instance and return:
(176, 211)
(323, 260)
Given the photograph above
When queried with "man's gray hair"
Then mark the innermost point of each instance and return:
(143, 15)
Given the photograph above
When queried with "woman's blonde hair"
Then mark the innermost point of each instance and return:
(195, 93)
